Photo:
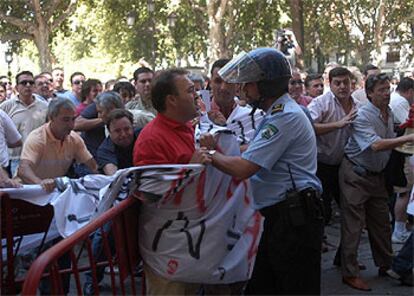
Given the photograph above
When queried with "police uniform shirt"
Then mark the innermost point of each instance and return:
(367, 128)
(285, 138)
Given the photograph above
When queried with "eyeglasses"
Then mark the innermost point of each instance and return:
(293, 82)
(78, 82)
(6, 83)
(26, 82)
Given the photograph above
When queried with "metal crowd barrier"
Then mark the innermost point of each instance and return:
(118, 225)
(17, 219)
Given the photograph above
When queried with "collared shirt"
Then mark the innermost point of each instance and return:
(324, 109)
(52, 157)
(400, 107)
(110, 153)
(8, 135)
(368, 128)
(26, 118)
(360, 96)
(285, 140)
(304, 100)
(71, 96)
(139, 104)
(164, 141)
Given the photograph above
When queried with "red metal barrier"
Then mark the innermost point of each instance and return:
(19, 218)
(123, 219)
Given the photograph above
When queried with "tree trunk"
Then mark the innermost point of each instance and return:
(217, 36)
(296, 10)
(41, 40)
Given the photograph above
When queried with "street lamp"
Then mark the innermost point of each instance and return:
(172, 19)
(151, 9)
(8, 56)
(131, 17)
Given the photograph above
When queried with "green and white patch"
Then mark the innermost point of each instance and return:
(268, 131)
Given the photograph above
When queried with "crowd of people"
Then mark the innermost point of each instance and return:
(317, 138)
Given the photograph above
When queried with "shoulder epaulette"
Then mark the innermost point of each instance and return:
(277, 108)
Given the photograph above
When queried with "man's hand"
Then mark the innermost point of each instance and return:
(48, 185)
(348, 119)
(201, 156)
(217, 117)
(9, 183)
(207, 140)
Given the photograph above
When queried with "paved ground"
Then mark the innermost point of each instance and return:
(331, 275)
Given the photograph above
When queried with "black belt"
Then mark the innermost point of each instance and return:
(298, 207)
(360, 170)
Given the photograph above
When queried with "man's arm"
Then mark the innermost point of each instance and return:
(84, 124)
(324, 128)
(91, 164)
(388, 144)
(14, 145)
(26, 173)
(234, 166)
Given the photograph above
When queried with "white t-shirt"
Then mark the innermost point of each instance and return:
(8, 135)
(400, 107)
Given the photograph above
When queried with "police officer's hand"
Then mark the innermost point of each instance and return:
(201, 156)
(207, 140)
(48, 185)
(348, 119)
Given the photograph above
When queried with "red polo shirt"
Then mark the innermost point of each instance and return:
(164, 141)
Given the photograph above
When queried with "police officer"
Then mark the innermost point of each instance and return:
(281, 165)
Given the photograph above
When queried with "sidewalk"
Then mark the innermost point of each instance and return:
(332, 278)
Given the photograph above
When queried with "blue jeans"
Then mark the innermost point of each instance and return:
(403, 262)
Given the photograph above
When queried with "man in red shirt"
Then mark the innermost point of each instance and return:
(169, 139)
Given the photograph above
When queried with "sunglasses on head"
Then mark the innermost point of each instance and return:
(26, 82)
(78, 82)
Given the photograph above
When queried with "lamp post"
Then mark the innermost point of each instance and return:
(171, 20)
(8, 56)
(151, 9)
(131, 17)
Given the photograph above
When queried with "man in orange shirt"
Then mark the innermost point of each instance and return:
(50, 150)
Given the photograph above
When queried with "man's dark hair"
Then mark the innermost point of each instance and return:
(369, 67)
(118, 114)
(312, 77)
(75, 74)
(405, 85)
(373, 80)
(58, 103)
(3, 76)
(219, 64)
(87, 87)
(339, 71)
(163, 85)
(124, 85)
(23, 73)
(140, 71)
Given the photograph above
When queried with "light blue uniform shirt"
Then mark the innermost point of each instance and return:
(368, 128)
(285, 138)
(69, 95)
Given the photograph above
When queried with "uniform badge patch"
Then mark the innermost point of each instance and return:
(268, 131)
(277, 108)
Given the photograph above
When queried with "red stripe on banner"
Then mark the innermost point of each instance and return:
(200, 192)
(246, 197)
(179, 196)
(254, 231)
(174, 184)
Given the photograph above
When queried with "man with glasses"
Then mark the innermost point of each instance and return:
(42, 87)
(26, 111)
(364, 195)
(76, 80)
(296, 90)
(8, 85)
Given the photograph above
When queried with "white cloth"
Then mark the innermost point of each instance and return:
(8, 135)
(400, 107)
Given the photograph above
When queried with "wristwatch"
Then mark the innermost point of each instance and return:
(211, 152)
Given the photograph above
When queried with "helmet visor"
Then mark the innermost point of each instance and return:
(241, 69)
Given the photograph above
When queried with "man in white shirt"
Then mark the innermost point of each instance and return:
(400, 103)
